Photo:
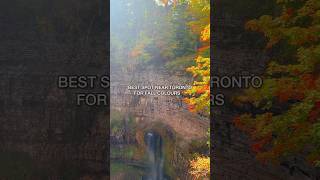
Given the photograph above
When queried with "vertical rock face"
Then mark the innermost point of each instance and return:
(236, 52)
(167, 109)
(42, 129)
(167, 127)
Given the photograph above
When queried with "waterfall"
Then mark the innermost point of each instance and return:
(155, 156)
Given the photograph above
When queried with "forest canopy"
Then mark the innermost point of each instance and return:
(288, 122)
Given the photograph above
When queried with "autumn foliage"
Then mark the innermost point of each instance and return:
(288, 122)
(199, 96)
(200, 167)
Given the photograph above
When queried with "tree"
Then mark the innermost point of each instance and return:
(198, 98)
(289, 101)
(199, 95)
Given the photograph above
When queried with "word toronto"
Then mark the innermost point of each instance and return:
(158, 90)
(89, 82)
(159, 87)
(229, 82)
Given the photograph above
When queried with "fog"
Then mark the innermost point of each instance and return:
(135, 25)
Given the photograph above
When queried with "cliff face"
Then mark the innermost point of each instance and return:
(169, 110)
(168, 116)
(237, 51)
(41, 126)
